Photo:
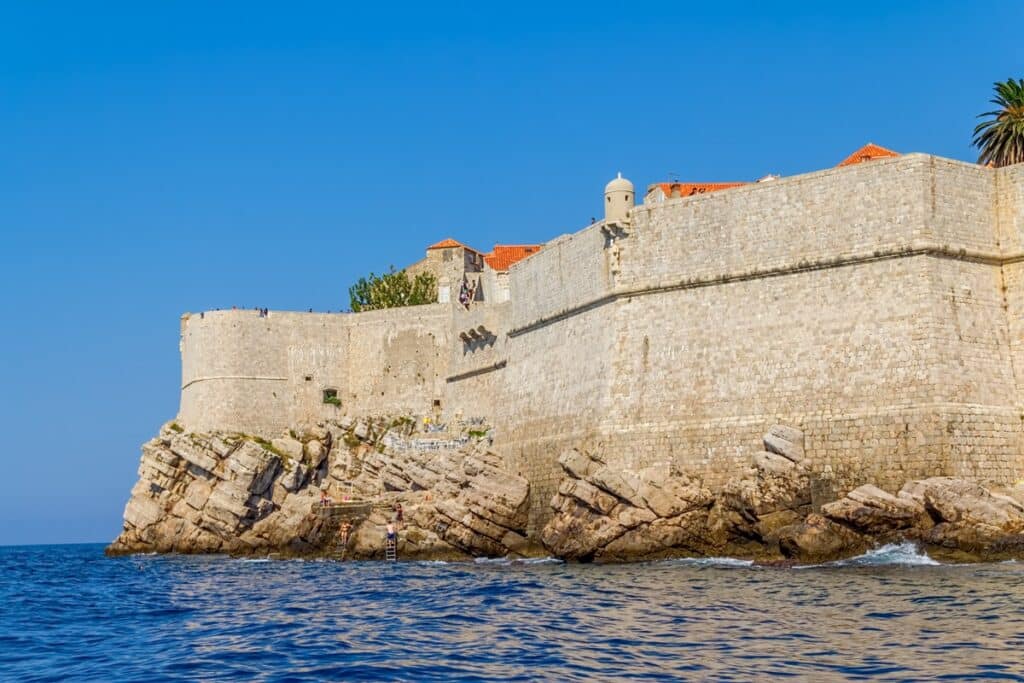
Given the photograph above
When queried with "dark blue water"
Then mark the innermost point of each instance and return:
(69, 613)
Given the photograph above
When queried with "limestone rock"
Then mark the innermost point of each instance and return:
(675, 496)
(192, 450)
(656, 475)
(818, 539)
(620, 484)
(295, 478)
(253, 467)
(217, 492)
(767, 492)
(785, 441)
(635, 543)
(773, 463)
(768, 526)
(315, 453)
(964, 537)
(578, 536)
(1016, 492)
(576, 464)
(142, 511)
(588, 494)
(197, 493)
(958, 501)
(871, 510)
(516, 542)
(292, 448)
(361, 431)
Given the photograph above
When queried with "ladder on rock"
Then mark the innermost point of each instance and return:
(391, 550)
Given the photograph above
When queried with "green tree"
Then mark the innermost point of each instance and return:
(392, 289)
(1001, 137)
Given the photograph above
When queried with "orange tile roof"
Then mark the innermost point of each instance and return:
(690, 189)
(449, 243)
(868, 152)
(504, 255)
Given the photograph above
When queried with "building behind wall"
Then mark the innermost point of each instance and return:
(877, 306)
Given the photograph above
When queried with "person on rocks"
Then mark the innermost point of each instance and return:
(399, 518)
(325, 500)
(392, 536)
(343, 531)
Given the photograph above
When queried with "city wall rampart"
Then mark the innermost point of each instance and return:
(262, 374)
(878, 307)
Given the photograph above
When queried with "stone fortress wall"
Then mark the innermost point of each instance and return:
(260, 375)
(878, 307)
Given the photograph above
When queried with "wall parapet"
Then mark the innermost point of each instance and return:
(916, 249)
(567, 271)
(878, 306)
(259, 373)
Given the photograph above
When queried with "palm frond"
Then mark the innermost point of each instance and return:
(1000, 137)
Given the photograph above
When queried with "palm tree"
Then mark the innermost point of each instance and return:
(1001, 138)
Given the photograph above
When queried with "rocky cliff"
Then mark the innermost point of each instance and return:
(235, 493)
(335, 489)
(768, 512)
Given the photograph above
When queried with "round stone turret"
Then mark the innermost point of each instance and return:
(619, 198)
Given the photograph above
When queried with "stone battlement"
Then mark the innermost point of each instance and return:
(879, 307)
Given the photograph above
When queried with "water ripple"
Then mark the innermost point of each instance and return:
(67, 612)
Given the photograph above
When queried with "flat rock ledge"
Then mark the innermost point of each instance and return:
(243, 495)
(766, 513)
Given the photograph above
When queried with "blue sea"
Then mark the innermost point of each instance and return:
(69, 613)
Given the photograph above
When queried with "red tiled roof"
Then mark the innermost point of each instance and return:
(449, 243)
(868, 152)
(690, 189)
(504, 255)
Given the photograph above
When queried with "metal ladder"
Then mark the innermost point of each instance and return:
(390, 550)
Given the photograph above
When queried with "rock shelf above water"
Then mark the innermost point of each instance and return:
(236, 493)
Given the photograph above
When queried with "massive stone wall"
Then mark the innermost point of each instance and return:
(479, 352)
(567, 272)
(878, 307)
(865, 305)
(262, 374)
(1010, 215)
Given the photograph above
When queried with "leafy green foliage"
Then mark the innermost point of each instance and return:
(1001, 137)
(392, 289)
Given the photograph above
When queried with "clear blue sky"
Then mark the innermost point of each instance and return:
(158, 158)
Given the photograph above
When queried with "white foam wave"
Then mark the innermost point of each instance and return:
(254, 559)
(541, 560)
(712, 562)
(905, 554)
(517, 560)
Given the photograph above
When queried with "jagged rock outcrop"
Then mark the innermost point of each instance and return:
(766, 513)
(234, 493)
(608, 514)
(871, 510)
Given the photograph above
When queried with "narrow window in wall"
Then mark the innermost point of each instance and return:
(331, 397)
(309, 378)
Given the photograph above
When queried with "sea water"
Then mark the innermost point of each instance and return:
(69, 613)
